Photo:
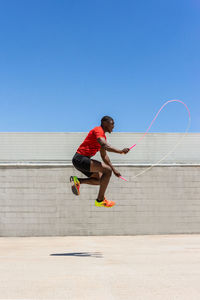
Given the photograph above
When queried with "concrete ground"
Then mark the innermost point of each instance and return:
(101, 267)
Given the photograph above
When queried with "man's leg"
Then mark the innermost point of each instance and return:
(94, 179)
(106, 171)
(101, 176)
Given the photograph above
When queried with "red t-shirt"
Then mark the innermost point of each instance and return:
(90, 145)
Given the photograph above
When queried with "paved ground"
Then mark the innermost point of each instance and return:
(111, 267)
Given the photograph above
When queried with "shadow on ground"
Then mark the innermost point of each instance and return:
(79, 254)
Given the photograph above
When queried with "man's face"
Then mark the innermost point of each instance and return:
(110, 126)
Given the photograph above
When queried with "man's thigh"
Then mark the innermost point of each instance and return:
(96, 175)
(97, 166)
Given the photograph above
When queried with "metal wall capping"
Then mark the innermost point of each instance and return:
(41, 148)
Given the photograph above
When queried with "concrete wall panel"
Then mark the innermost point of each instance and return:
(37, 201)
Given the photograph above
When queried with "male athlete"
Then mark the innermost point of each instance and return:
(98, 173)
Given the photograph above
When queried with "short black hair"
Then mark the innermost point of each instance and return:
(106, 118)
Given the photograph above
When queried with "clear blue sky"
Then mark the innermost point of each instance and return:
(66, 63)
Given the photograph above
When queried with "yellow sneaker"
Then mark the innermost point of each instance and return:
(104, 203)
(75, 185)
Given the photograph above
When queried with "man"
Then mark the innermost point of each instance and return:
(98, 173)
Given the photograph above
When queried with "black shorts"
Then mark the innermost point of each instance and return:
(82, 164)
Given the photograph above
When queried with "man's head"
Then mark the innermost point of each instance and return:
(107, 123)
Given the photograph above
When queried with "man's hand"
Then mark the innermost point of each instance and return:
(116, 173)
(125, 151)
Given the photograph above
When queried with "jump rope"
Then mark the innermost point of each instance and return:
(176, 145)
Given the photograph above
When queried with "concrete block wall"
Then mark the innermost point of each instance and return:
(37, 201)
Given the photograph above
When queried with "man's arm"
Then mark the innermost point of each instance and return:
(110, 148)
(107, 161)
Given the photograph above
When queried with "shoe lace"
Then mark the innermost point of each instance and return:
(106, 201)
